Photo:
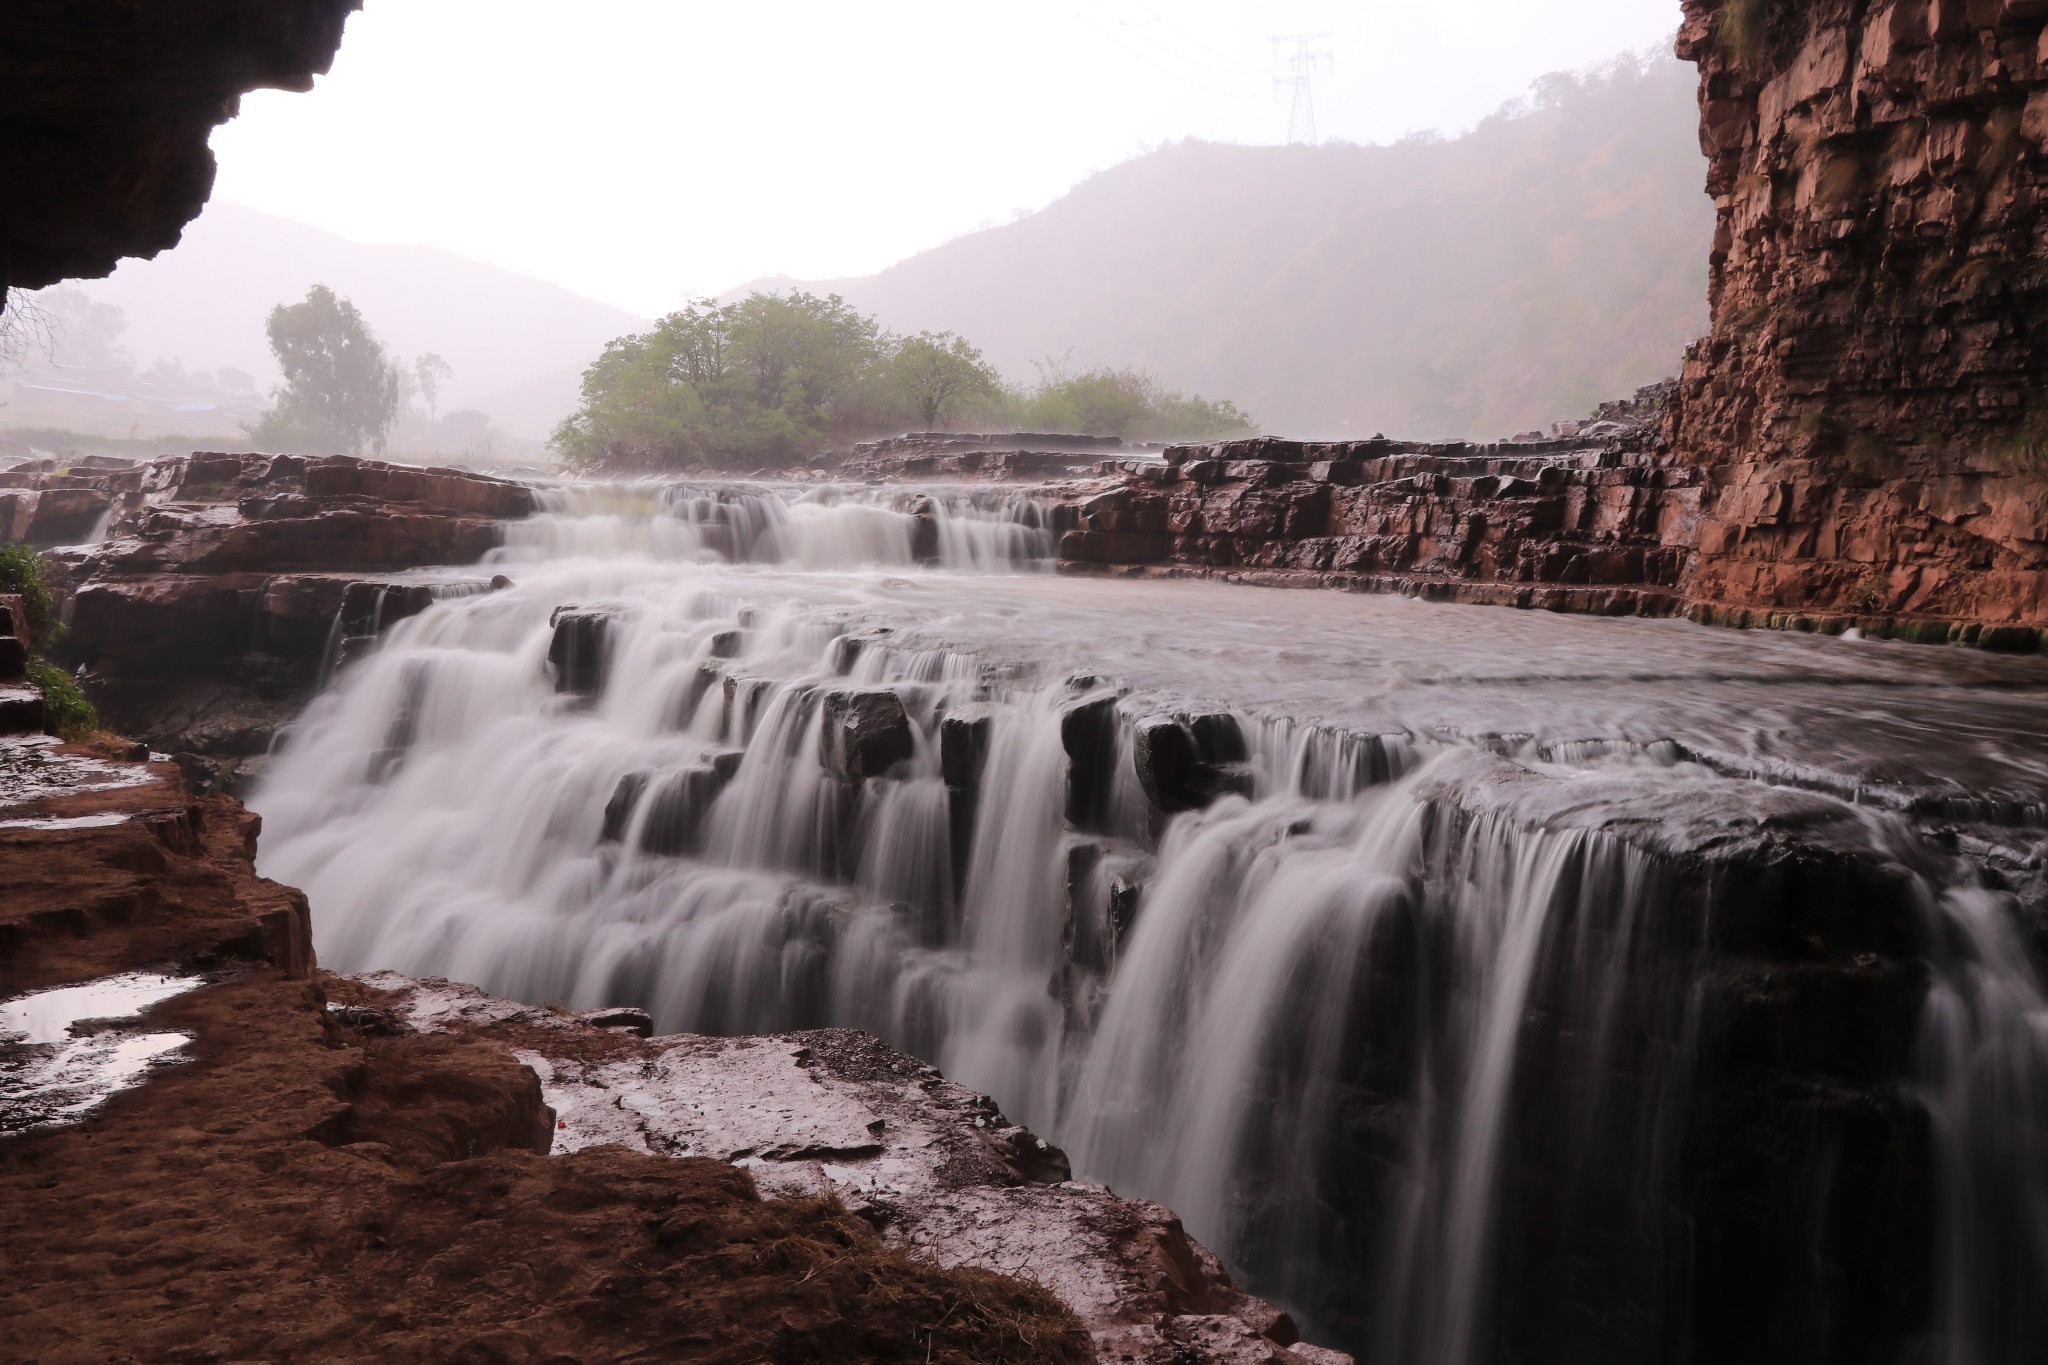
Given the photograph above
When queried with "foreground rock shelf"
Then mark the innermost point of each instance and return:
(359, 1168)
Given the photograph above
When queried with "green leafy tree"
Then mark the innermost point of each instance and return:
(729, 385)
(341, 392)
(773, 376)
(938, 371)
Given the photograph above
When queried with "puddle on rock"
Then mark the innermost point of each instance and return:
(100, 821)
(31, 769)
(64, 1052)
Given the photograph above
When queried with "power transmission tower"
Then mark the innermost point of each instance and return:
(1300, 67)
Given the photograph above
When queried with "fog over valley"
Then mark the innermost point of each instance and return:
(1467, 286)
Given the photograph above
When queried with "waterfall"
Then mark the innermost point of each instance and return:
(1449, 1042)
(805, 526)
(1984, 1063)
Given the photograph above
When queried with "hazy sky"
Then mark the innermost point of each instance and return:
(638, 151)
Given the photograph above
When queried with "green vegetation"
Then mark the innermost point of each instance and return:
(340, 392)
(729, 386)
(775, 377)
(937, 371)
(21, 573)
(68, 714)
(1128, 403)
(1743, 28)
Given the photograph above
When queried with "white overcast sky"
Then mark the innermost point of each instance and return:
(639, 151)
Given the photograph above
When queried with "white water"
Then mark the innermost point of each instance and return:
(1454, 828)
(813, 527)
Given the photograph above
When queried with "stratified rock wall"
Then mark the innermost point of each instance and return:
(105, 111)
(227, 582)
(1871, 409)
(1564, 525)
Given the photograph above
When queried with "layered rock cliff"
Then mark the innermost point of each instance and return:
(227, 582)
(1871, 409)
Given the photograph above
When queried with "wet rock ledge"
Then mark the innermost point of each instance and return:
(383, 1169)
(204, 619)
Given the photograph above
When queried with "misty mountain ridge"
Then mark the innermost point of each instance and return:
(1548, 259)
(1524, 271)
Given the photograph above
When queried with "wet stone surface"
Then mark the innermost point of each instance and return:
(65, 1052)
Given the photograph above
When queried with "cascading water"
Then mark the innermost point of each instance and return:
(808, 526)
(1471, 1042)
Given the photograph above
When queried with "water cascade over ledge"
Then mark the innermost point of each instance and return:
(1475, 1003)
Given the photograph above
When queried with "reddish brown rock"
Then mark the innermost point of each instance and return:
(1871, 411)
(1581, 524)
(244, 569)
(956, 455)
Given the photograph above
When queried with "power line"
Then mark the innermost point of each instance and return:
(1309, 59)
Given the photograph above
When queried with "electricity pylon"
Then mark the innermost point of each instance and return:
(1308, 60)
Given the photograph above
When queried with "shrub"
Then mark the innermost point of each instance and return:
(21, 571)
(67, 714)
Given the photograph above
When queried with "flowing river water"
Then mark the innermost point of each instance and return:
(1483, 985)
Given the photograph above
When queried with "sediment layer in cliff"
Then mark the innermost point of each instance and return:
(1870, 412)
(226, 583)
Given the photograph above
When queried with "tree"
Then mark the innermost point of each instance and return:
(1129, 403)
(430, 372)
(937, 370)
(87, 333)
(733, 385)
(66, 327)
(340, 391)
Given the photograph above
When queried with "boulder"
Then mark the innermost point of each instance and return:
(635, 1021)
(676, 809)
(1169, 764)
(372, 608)
(1088, 734)
(577, 652)
(743, 698)
(924, 530)
(964, 735)
(618, 809)
(866, 732)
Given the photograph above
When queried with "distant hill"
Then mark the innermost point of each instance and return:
(517, 345)
(1553, 257)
